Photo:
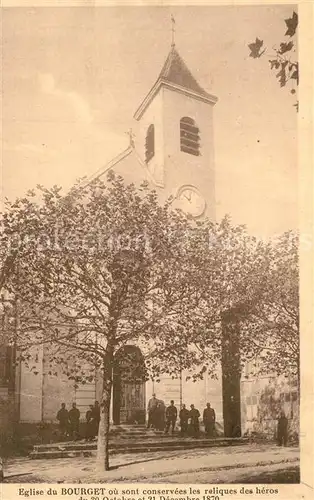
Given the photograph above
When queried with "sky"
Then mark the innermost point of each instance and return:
(73, 77)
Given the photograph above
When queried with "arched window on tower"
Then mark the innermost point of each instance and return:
(150, 143)
(189, 136)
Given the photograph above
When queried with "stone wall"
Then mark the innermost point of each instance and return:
(30, 390)
(56, 389)
(263, 398)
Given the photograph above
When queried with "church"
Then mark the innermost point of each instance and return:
(172, 148)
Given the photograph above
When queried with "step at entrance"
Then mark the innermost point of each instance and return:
(131, 439)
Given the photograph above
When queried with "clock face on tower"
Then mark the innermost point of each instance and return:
(191, 201)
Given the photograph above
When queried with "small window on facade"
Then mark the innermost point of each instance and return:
(189, 136)
(294, 396)
(150, 143)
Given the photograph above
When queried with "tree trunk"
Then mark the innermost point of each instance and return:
(104, 425)
(231, 373)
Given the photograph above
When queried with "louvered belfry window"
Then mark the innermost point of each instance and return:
(189, 136)
(150, 143)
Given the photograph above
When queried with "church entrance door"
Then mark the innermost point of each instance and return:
(129, 386)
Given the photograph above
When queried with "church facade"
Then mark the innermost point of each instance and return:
(173, 150)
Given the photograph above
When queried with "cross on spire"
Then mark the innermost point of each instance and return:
(131, 137)
(173, 31)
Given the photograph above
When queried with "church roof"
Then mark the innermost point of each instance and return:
(175, 75)
(176, 71)
(129, 154)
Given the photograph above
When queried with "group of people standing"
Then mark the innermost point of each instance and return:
(69, 422)
(162, 418)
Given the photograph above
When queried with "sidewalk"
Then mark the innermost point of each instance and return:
(176, 466)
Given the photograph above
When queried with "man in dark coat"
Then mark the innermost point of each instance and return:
(89, 424)
(74, 420)
(184, 419)
(151, 409)
(95, 418)
(209, 418)
(63, 417)
(159, 415)
(171, 417)
(282, 430)
(194, 416)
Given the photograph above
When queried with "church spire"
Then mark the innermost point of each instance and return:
(176, 76)
(175, 71)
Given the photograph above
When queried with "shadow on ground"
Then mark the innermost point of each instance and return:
(283, 476)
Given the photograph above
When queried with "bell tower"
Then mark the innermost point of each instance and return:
(175, 137)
